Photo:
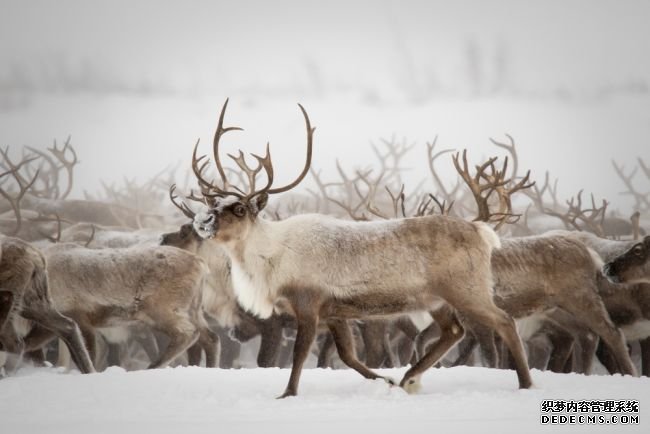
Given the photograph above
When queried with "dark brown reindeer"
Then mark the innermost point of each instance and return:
(632, 305)
(625, 302)
(633, 265)
(317, 267)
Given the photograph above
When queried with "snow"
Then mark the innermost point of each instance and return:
(193, 400)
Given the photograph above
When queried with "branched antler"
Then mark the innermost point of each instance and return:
(577, 218)
(642, 200)
(487, 180)
(211, 190)
(66, 163)
(23, 187)
(431, 158)
(182, 205)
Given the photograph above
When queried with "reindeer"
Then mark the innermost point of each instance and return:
(160, 287)
(318, 267)
(538, 274)
(25, 295)
(626, 300)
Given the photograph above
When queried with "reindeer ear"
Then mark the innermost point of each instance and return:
(260, 202)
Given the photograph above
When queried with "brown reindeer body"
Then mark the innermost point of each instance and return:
(157, 286)
(25, 295)
(539, 274)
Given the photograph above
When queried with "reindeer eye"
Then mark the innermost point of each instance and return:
(239, 210)
(638, 250)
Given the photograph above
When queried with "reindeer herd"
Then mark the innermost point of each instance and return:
(357, 264)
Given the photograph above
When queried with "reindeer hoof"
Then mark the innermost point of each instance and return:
(286, 394)
(412, 385)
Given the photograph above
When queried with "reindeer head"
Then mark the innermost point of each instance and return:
(633, 266)
(232, 212)
(185, 238)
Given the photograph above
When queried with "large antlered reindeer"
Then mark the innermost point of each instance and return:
(321, 268)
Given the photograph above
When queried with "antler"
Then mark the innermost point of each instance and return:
(642, 200)
(23, 187)
(592, 218)
(210, 189)
(391, 159)
(510, 148)
(310, 140)
(431, 158)
(494, 180)
(182, 206)
(537, 194)
(67, 164)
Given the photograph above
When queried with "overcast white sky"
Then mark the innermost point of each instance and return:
(562, 75)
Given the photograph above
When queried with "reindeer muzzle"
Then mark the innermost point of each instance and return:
(206, 225)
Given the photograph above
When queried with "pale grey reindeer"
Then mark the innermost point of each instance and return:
(318, 267)
(25, 295)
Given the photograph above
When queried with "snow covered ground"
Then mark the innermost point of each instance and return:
(199, 400)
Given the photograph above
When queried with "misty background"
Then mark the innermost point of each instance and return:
(136, 83)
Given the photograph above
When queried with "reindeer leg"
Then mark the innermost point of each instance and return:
(563, 346)
(489, 314)
(182, 334)
(271, 340)
(607, 359)
(209, 341)
(645, 357)
(326, 351)
(451, 331)
(69, 332)
(487, 345)
(465, 349)
(6, 303)
(229, 349)
(194, 354)
(11, 342)
(588, 343)
(149, 344)
(372, 335)
(304, 339)
(406, 347)
(592, 313)
(345, 346)
(35, 344)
